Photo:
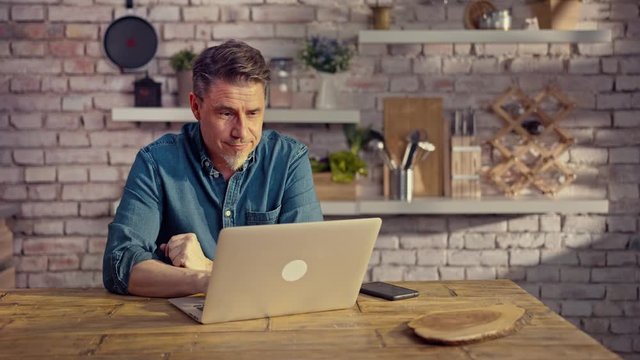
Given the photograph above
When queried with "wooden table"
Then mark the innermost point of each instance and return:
(70, 323)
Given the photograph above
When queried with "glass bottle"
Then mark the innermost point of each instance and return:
(281, 87)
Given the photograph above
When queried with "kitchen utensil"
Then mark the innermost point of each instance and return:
(379, 144)
(130, 41)
(424, 149)
(410, 150)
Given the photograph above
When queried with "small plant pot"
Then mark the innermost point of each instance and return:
(326, 189)
(381, 17)
(185, 86)
(557, 14)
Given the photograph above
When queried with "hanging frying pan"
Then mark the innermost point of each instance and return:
(130, 41)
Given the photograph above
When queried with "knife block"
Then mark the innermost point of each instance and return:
(465, 167)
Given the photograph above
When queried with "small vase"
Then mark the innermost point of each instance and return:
(327, 97)
(185, 86)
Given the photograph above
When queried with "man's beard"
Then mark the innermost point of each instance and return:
(236, 161)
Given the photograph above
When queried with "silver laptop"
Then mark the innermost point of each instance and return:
(270, 270)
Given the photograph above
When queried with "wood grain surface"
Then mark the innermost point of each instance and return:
(70, 323)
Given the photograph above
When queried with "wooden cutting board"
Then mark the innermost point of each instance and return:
(467, 325)
(401, 117)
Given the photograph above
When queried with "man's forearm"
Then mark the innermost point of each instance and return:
(156, 279)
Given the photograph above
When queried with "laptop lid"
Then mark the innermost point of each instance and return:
(270, 270)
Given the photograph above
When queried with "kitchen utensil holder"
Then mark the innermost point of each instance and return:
(401, 184)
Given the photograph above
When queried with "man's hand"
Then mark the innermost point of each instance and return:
(184, 251)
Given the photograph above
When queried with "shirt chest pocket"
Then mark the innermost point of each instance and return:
(263, 218)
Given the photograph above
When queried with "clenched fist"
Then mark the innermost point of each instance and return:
(184, 251)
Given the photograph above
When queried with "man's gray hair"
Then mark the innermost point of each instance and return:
(232, 61)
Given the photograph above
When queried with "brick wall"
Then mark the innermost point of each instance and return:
(64, 160)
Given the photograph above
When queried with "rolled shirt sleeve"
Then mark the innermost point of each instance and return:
(132, 234)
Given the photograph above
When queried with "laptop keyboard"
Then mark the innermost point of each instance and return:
(199, 306)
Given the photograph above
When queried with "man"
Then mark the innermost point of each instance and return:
(221, 171)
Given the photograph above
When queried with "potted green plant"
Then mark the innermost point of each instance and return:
(327, 56)
(334, 177)
(182, 63)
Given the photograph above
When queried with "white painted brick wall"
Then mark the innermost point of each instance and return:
(436, 241)
(404, 84)
(479, 241)
(543, 273)
(463, 257)
(494, 258)
(26, 120)
(584, 66)
(520, 240)
(282, 13)
(243, 30)
(201, 13)
(432, 257)
(48, 228)
(64, 160)
(524, 257)
(457, 65)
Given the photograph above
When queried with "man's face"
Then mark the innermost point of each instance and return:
(230, 117)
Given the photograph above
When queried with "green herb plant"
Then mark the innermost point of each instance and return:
(346, 165)
(182, 60)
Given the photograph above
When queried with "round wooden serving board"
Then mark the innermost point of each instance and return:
(466, 325)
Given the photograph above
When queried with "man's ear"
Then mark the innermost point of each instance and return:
(195, 106)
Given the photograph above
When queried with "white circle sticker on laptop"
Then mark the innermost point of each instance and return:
(294, 270)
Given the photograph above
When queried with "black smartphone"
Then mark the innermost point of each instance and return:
(387, 291)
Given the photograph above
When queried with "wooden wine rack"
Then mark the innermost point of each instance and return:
(527, 159)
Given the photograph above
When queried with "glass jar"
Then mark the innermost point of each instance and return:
(281, 87)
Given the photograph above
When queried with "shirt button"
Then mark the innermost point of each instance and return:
(227, 213)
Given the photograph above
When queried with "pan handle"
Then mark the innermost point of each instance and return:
(129, 4)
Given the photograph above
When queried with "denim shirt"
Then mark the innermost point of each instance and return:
(173, 188)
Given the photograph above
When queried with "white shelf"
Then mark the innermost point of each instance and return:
(482, 36)
(450, 206)
(307, 116)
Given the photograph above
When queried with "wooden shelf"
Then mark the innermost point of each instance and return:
(482, 36)
(293, 116)
(450, 206)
